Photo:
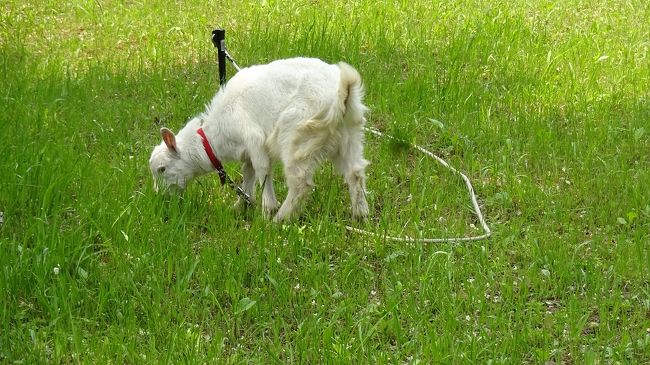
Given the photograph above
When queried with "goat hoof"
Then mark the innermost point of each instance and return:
(361, 212)
(269, 210)
(280, 217)
(241, 204)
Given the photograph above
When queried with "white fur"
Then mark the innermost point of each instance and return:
(298, 111)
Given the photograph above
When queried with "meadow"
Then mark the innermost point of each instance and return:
(543, 104)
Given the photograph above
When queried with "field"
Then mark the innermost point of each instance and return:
(545, 105)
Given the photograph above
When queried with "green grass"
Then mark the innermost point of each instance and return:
(545, 105)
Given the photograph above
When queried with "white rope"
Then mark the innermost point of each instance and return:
(229, 57)
(470, 188)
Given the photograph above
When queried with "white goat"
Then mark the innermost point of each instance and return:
(299, 111)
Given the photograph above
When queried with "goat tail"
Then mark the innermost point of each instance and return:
(351, 95)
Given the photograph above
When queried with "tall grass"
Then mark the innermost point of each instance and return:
(544, 105)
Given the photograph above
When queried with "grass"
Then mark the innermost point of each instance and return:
(545, 105)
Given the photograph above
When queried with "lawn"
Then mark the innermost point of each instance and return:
(544, 105)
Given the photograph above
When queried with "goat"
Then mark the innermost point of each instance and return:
(299, 111)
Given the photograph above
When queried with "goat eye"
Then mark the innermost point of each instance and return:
(161, 170)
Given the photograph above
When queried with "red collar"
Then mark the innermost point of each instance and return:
(213, 158)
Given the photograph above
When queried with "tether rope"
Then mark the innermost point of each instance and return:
(470, 188)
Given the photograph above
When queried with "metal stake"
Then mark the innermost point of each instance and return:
(219, 41)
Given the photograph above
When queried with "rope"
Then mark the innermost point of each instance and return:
(477, 210)
(232, 60)
(470, 188)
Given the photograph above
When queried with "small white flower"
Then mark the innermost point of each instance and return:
(56, 270)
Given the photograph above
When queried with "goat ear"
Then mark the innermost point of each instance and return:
(169, 138)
